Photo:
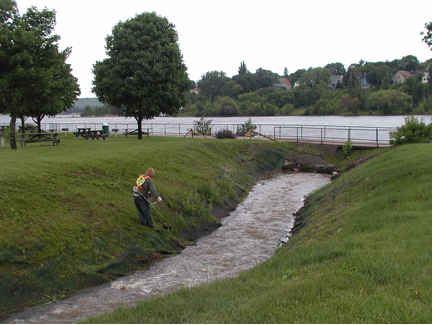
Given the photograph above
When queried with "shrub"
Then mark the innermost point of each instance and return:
(27, 126)
(347, 148)
(413, 131)
(225, 134)
(244, 128)
(203, 126)
(194, 206)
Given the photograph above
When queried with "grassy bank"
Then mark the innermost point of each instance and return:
(362, 254)
(67, 217)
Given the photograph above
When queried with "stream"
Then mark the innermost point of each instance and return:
(250, 235)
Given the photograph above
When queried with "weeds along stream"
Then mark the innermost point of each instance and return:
(248, 236)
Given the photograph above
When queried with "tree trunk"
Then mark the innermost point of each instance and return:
(23, 122)
(38, 122)
(140, 135)
(12, 125)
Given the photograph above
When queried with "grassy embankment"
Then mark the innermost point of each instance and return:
(361, 255)
(68, 220)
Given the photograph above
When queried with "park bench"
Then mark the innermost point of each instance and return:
(39, 137)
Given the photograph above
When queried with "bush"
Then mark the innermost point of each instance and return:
(27, 126)
(225, 134)
(194, 206)
(244, 128)
(347, 148)
(413, 131)
(203, 126)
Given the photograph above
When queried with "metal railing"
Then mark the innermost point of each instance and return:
(323, 134)
(368, 136)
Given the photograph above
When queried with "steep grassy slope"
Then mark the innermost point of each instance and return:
(67, 217)
(362, 254)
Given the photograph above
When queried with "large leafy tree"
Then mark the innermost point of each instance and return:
(34, 78)
(336, 68)
(408, 63)
(244, 78)
(144, 73)
(211, 84)
(315, 77)
(378, 74)
(264, 78)
(415, 88)
(295, 76)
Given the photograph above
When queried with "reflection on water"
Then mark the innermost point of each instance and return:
(249, 236)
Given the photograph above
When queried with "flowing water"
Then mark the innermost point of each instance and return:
(248, 236)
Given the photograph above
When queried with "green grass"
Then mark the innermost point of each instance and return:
(67, 216)
(362, 254)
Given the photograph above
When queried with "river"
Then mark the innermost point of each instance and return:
(361, 130)
(364, 121)
(248, 236)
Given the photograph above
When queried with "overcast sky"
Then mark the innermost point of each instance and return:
(219, 35)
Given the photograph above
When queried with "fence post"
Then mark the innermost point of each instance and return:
(377, 137)
(348, 134)
(321, 135)
(297, 134)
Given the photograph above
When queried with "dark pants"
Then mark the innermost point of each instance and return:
(143, 207)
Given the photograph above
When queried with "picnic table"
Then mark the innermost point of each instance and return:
(81, 131)
(39, 137)
(95, 134)
(135, 132)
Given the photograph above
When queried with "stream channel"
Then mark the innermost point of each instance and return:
(250, 235)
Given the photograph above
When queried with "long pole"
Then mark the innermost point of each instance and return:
(169, 227)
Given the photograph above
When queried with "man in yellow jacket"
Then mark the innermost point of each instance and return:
(142, 191)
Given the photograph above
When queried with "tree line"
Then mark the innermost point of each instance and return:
(365, 88)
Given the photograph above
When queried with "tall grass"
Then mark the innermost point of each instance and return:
(361, 255)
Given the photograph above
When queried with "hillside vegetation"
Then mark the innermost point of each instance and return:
(362, 254)
(365, 88)
(81, 103)
(67, 216)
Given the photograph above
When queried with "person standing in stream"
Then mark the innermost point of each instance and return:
(144, 189)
